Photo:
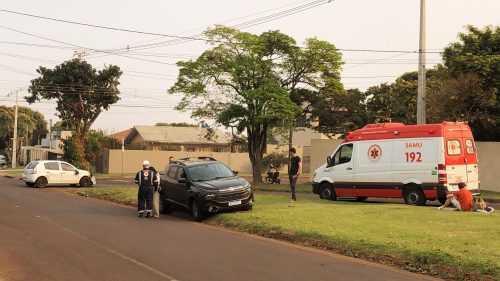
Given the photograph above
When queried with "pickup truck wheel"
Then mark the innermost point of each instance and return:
(326, 191)
(85, 182)
(196, 212)
(165, 207)
(414, 196)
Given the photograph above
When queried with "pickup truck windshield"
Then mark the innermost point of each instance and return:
(209, 172)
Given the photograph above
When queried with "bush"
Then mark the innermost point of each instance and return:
(278, 159)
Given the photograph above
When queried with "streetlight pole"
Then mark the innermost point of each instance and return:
(14, 140)
(421, 118)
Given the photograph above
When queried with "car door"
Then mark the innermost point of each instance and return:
(52, 172)
(341, 170)
(169, 182)
(69, 174)
(182, 187)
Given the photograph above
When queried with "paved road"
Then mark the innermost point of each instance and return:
(49, 235)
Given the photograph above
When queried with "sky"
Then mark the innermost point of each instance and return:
(353, 25)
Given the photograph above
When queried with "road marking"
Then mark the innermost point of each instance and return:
(114, 252)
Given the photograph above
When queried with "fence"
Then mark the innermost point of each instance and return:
(114, 161)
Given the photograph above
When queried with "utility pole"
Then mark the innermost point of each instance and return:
(14, 141)
(421, 118)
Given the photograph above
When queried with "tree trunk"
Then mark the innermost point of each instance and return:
(80, 150)
(256, 148)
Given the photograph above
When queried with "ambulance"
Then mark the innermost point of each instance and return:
(393, 160)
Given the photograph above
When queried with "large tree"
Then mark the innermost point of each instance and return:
(28, 121)
(478, 53)
(245, 81)
(81, 93)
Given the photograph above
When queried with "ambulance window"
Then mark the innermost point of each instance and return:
(343, 155)
(453, 147)
(469, 144)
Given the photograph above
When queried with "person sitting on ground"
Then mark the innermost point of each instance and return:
(461, 199)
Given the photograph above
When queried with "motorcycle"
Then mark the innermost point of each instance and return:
(273, 177)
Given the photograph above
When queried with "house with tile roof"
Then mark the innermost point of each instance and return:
(190, 139)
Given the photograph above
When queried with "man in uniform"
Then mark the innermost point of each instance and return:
(147, 181)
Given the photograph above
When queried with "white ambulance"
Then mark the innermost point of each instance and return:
(393, 160)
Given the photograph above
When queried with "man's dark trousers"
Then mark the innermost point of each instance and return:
(145, 195)
(293, 182)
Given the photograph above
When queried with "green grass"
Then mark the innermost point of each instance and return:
(490, 194)
(127, 196)
(11, 172)
(422, 234)
(301, 187)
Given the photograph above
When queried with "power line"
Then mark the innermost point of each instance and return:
(69, 44)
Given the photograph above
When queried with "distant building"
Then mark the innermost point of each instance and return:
(121, 135)
(190, 139)
(49, 147)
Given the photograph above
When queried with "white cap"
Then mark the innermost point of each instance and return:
(145, 162)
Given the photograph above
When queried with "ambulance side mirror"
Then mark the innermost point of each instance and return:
(329, 161)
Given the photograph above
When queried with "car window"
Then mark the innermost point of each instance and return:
(453, 147)
(343, 155)
(209, 172)
(51, 166)
(172, 173)
(32, 165)
(181, 174)
(469, 144)
(67, 167)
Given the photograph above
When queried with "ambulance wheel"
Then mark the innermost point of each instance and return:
(442, 200)
(414, 196)
(326, 191)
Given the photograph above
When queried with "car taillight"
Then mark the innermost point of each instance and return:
(442, 176)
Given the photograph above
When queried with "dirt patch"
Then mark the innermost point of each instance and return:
(442, 271)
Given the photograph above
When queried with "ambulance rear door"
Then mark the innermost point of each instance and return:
(454, 155)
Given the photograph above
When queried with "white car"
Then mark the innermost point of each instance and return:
(3, 161)
(53, 172)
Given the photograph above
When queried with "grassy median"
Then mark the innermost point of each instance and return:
(414, 238)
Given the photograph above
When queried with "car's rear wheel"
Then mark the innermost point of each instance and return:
(30, 184)
(196, 212)
(85, 182)
(326, 191)
(41, 182)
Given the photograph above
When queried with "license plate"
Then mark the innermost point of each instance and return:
(234, 203)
